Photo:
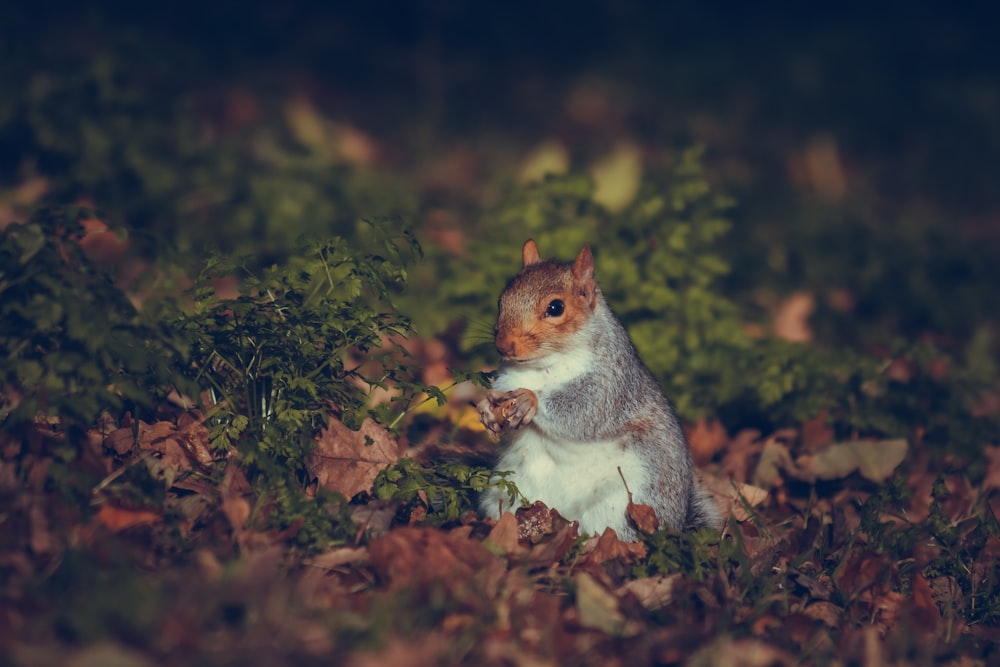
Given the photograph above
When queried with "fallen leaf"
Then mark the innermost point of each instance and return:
(826, 612)
(609, 547)
(816, 433)
(875, 460)
(741, 653)
(791, 322)
(117, 519)
(598, 608)
(774, 458)
(742, 449)
(504, 535)
(338, 557)
(234, 490)
(707, 438)
(825, 168)
(121, 440)
(410, 557)
(653, 592)
(734, 498)
(617, 176)
(550, 157)
(643, 516)
(923, 610)
(348, 461)
(992, 479)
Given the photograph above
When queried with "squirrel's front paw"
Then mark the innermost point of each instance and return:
(490, 415)
(513, 408)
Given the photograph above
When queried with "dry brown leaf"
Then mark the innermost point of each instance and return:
(923, 610)
(504, 535)
(194, 438)
(826, 612)
(338, 557)
(743, 447)
(598, 609)
(815, 433)
(417, 556)
(741, 653)
(773, 460)
(608, 547)
(653, 592)
(992, 479)
(121, 440)
(791, 322)
(348, 461)
(643, 516)
(234, 490)
(707, 438)
(825, 168)
(732, 497)
(116, 518)
(545, 533)
(40, 536)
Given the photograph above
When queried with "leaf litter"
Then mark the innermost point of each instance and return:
(855, 550)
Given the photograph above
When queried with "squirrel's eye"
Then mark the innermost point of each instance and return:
(555, 308)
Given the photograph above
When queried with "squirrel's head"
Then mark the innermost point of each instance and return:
(545, 305)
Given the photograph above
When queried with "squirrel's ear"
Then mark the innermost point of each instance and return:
(529, 253)
(583, 267)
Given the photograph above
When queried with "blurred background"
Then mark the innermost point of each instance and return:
(859, 143)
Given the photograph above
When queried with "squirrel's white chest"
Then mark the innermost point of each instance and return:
(579, 479)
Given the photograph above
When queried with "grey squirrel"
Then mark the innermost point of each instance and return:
(574, 405)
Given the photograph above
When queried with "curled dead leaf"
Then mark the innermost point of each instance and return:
(643, 516)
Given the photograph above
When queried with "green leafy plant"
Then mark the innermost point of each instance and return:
(691, 553)
(291, 350)
(302, 342)
(182, 170)
(74, 344)
(446, 489)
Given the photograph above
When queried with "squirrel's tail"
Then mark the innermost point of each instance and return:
(702, 510)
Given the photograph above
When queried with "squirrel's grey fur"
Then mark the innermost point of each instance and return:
(613, 399)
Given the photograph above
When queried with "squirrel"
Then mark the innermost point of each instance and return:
(583, 423)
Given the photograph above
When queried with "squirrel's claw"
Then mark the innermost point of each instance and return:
(521, 407)
(488, 416)
(517, 407)
(507, 409)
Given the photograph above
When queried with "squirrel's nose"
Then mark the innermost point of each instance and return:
(506, 345)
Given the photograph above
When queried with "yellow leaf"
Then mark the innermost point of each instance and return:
(617, 177)
(550, 157)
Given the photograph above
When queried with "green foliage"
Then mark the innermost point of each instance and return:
(691, 553)
(74, 345)
(291, 350)
(955, 541)
(447, 489)
(660, 266)
(183, 170)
